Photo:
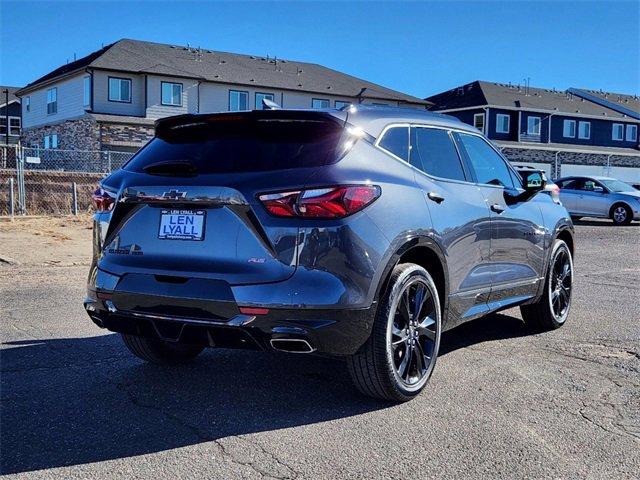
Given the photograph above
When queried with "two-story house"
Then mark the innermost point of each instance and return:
(545, 125)
(9, 115)
(109, 99)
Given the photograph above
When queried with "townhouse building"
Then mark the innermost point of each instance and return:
(576, 127)
(110, 99)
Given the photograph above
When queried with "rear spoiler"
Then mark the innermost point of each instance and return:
(168, 125)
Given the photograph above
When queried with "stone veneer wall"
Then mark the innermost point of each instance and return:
(125, 134)
(80, 134)
(549, 156)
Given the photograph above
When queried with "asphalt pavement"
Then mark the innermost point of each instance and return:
(502, 403)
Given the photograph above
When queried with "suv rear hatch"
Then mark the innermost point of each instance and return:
(186, 203)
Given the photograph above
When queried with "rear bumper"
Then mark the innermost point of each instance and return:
(329, 332)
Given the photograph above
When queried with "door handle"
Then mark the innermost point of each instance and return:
(496, 207)
(436, 197)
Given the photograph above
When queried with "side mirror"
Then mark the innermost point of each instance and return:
(598, 189)
(533, 181)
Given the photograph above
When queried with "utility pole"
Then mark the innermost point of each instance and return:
(6, 114)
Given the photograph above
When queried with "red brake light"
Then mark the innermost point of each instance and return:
(331, 202)
(103, 200)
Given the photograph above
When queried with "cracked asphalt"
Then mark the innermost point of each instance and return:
(502, 403)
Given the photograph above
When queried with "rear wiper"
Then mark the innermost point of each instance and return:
(172, 168)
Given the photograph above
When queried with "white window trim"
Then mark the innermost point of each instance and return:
(613, 132)
(120, 80)
(27, 103)
(328, 102)
(342, 104)
(564, 128)
(54, 91)
(539, 125)
(500, 116)
(480, 115)
(267, 95)
(86, 91)
(630, 128)
(240, 92)
(580, 124)
(171, 85)
(12, 117)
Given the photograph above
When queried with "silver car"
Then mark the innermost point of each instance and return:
(600, 197)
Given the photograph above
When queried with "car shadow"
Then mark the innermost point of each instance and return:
(73, 401)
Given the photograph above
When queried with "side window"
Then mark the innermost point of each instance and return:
(396, 141)
(433, 152)
(489, 167)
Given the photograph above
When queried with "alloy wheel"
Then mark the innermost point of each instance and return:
(560, 285)
(414, 334)
(620, 214)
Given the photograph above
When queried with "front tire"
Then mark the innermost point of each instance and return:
(158, 351)
(398, 359)
(621, 214)
(552, 309)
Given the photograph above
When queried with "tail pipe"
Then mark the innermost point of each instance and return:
(292, 345)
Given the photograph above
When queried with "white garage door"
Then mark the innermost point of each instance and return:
(627, 174)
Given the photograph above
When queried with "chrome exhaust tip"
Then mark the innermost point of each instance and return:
(292, 345)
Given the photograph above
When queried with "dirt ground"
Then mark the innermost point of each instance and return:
(61, 241)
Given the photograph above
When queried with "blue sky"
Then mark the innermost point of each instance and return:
(420, 48)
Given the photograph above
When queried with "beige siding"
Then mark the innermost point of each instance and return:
(101, 103)
(70, 99)
(155, 109)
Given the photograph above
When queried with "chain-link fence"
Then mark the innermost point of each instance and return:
(36, 181)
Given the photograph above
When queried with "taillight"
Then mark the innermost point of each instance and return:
(103, 200)
(331, 202)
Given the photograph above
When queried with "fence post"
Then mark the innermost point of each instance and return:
(74, 193)
(11, 198)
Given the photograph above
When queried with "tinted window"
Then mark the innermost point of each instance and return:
(489, 167)
(571, 184)
(396, 141)
(433, 152)
(241, 145)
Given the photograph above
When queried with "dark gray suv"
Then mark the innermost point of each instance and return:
(361, 233)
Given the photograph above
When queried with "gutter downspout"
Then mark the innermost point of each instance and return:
(519, 124)
(549, 128)
(486, 123)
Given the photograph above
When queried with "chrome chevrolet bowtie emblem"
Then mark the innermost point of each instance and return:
(174, 194)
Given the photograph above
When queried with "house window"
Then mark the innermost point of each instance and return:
(584, 130)
(478, 121)
(569, 129)
(86, 83)
(51, 141)
(502, 123)
(119, 89)
(52, 101)
(263, 96)
(27, 104)
(533, 125)
(617, 131)
(340, 104)
(14, 126)
(632, 133)
(320, 103)
(238, 100)
(171, 94)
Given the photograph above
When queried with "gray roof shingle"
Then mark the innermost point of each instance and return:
(146, 57)
(12, 94)
(516, 96)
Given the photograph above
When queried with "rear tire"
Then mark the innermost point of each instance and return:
(158, 351)
(621, 214)
(398, 359)
(552, 308)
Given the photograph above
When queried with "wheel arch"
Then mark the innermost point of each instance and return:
(423, 251)
(624, 204)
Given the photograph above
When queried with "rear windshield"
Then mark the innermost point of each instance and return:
(242, 145)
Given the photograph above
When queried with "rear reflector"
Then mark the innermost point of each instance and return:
(331, 202)
(253, 311)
